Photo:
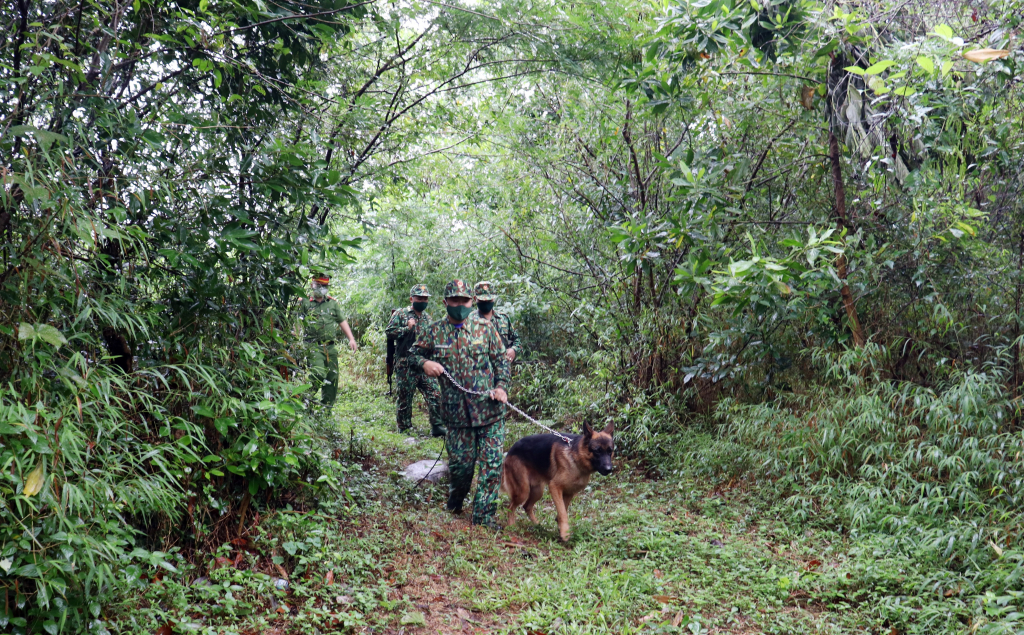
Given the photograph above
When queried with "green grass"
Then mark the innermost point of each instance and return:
(677, 555)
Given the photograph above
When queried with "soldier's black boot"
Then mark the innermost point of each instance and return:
(438, 431)
(454, 504)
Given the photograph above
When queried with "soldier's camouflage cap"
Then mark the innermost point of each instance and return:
(484, 291)
(419, 289)
(457, 289)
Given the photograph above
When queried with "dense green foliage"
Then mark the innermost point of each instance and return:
(794, 225)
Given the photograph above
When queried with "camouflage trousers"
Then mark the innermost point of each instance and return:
(466, 448)
(409, 381)
(322, 361)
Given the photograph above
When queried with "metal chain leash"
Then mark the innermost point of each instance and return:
(488, 392)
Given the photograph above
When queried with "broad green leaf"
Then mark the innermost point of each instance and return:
(926, 63)
(966, 228)
(877, 68)
(203, 411)
(856, 70)
(944, 31)
(50, 335)
(34, 481)
(26, 331)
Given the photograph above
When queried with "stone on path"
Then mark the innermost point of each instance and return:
(410, 441)
(422, 470)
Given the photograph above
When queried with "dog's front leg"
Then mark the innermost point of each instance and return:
(560, 511)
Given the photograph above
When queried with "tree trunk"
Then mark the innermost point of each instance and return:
(842, 222)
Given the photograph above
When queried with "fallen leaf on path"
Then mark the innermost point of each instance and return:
(658, 574)
(466, 615)
(813, 564)
(329, 579)
(221, 562)
(413, 618)
(650, 616)
(677, 620)
(665, 599)
(166, 629)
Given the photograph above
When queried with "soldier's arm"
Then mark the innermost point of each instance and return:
(513, 339)
(348, 333)
(497, 355)
(421, 351)
(397, 327)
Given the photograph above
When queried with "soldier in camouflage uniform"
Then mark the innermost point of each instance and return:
(321, 319)
(485, 297)
(403, 328)
(472, 352)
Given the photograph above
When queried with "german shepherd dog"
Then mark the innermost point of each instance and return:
(545, 459)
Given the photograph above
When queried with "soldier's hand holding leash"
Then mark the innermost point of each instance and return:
(433, 369)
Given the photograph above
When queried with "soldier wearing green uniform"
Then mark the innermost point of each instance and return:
(321, 319)
(470, 349)
(485, 297)
(403, 328)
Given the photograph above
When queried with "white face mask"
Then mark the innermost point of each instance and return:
(320, 290)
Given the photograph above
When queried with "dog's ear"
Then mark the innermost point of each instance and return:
(609, 429)
(587, 430)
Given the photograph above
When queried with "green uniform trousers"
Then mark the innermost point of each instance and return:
(466, 448)
(409, 381)
(322, 361)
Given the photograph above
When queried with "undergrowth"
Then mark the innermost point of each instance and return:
(925, 481)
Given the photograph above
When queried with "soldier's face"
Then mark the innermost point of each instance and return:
(419, 298)
(459, 301)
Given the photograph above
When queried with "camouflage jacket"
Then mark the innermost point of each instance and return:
(403, 334)
(509, 337)
(320, 320)
(474, 355)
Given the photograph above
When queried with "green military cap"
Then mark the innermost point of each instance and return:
(484, 291)
(457, 289)
(419, 289)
